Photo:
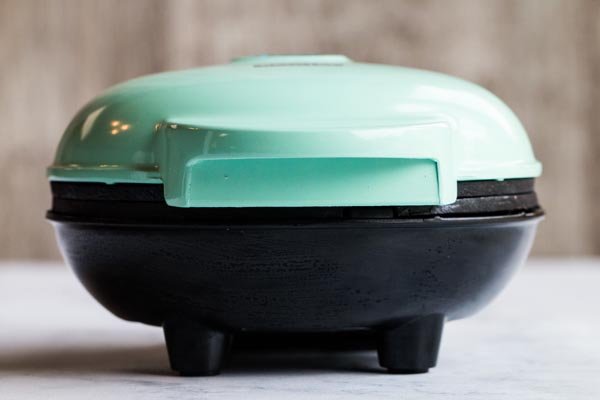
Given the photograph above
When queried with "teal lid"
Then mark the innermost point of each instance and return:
(296, 130)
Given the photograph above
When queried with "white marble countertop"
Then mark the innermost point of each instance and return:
(539, 340)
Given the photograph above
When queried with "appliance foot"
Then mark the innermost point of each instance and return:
(411, 347)
(195, 349)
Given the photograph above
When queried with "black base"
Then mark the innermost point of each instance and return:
(399, 278)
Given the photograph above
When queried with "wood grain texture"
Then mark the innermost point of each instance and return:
(541, 56)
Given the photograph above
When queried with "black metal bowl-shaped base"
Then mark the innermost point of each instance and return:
(206, 282)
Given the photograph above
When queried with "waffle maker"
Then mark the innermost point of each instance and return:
(295, 194)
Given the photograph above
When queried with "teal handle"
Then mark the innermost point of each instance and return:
(229, 167)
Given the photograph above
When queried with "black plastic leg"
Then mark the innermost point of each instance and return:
(411, 347)
(195, 349)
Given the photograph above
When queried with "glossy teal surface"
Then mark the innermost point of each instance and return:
(296, 131)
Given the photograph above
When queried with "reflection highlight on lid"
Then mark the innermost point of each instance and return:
(118, 127)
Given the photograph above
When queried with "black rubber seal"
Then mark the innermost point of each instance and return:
(145, 202)
(154, 192)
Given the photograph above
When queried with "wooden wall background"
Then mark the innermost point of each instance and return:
(541, 56)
